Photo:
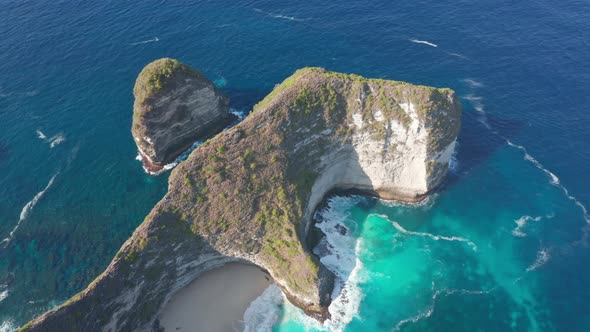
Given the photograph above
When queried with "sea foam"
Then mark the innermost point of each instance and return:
(425, 42)
(279, 16)
(41, 135)
(543, 256)
(473, 83)
(7, 326)
(241, 115)
(478, 106)
(429, 310)
(338, 251)
(153, 40)
(454, 161)
(428, 235)
(265, 311)
(53, 141)
(458, 55)
(341, 258)
(27, 209)
(554, 180)
(521, 223)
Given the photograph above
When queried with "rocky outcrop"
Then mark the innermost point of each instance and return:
(249, 193)
(175, 106)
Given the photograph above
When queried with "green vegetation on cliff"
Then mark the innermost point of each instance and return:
(247, 192)
(169, 94)
(249, 187)
(157, 75)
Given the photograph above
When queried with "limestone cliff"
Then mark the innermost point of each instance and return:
(175, 106)
(249, 193)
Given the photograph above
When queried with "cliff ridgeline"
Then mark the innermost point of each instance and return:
(249, 193)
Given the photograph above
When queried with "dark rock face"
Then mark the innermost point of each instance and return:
(175, 106)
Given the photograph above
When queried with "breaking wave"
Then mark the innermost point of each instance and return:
(338, 251)
(473, 83)
(265, 311)
(429, 310)
(458, 55)
(543, 257)
(56, 140)
(241, 115)
(27, 210)
(53, 141)
(521, 223)
(153, 40)
(425, 42)
(454, 162)
(426, 203)
(554, 180)
(478, 106)
(176, 161)
(428, 235)
(7, 326)
(279, 16)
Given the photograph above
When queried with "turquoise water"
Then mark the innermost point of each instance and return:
(448, 266)
(71, 196)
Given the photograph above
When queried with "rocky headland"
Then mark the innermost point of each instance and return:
(248, 194)
(175, 105)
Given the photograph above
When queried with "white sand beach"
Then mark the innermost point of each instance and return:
(216, 300)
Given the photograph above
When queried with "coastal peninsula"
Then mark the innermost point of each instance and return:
(249, 193)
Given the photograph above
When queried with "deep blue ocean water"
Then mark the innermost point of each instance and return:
(71, 191)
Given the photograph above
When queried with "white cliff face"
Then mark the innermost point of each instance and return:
(396, 166)
(400, 163)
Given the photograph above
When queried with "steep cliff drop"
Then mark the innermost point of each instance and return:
(249, 193)
(175, 106)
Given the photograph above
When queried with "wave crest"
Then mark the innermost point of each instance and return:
(543, 257)
(53, 141)
(428, 235)
(27, 210)
(153, 40)
(264, 311)
(425, 42)
(521, 223)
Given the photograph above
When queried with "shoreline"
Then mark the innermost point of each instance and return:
(216, 300)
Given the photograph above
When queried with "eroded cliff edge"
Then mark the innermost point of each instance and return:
(175, 105)
(249, 193)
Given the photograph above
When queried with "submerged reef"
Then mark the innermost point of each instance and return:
(249, 193)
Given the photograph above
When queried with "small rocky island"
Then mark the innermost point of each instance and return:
(175, 105)
(249, 193)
